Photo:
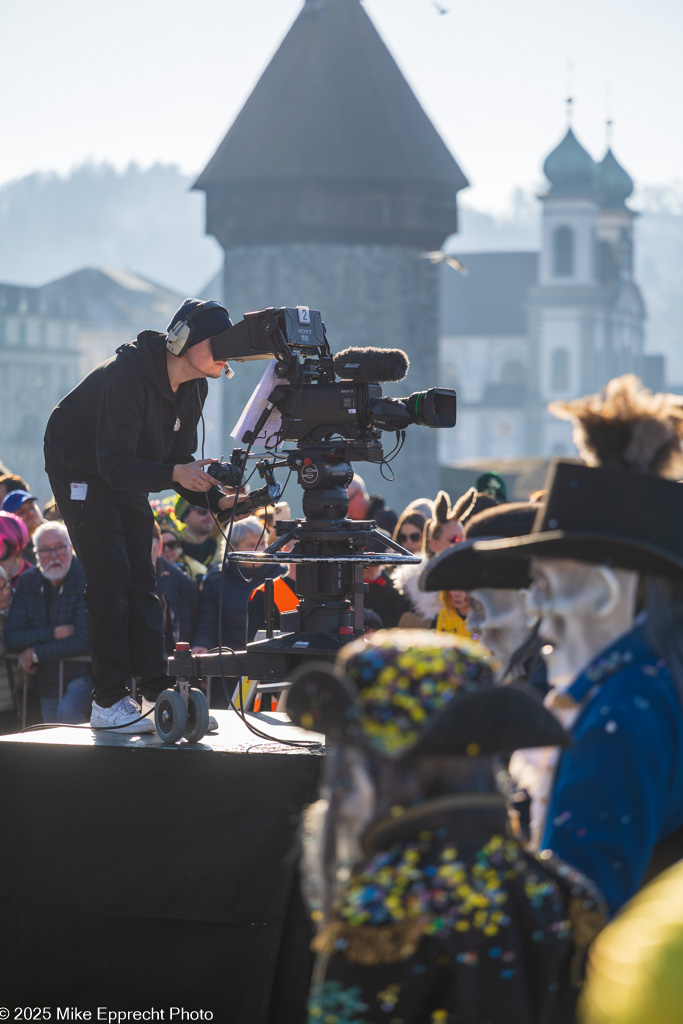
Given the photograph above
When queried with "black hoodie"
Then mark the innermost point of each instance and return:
(124, 424)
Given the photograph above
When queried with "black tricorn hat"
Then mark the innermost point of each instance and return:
(604, 515)
(462, 567)
(479, 722)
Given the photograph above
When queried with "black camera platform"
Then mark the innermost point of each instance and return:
(330, 556)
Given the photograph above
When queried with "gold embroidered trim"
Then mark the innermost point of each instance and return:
(366, 945)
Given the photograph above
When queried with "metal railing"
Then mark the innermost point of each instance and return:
(11, 662)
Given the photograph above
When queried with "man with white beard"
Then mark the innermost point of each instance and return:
(47, 623)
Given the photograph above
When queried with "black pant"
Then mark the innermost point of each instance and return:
(112, 532)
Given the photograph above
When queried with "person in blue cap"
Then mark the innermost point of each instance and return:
(130, 428)
(25, 505)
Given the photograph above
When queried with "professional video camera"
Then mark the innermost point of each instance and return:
(332, 407)
(313, 404)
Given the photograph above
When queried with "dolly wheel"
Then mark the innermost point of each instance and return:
(197, 717)
(170, 716)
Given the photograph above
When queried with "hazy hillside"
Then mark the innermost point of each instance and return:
(148, 221)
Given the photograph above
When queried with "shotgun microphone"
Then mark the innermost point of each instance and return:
(371, 365)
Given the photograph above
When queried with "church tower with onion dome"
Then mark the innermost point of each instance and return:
(587, 314)
(327, 191)
(525, 328)
(570, 208)
(625, 328)
(567, 295)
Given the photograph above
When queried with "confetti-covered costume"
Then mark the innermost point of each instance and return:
(478, 932)
(444, 917)
(619, 787)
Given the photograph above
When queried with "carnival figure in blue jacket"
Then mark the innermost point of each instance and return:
(608, 536)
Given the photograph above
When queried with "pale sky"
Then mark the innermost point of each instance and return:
(162, 80)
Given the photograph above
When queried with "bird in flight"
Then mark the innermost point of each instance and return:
(437, 256)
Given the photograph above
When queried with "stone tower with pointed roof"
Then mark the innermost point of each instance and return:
(326, 191)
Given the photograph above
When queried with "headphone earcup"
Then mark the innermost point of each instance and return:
(179, 338)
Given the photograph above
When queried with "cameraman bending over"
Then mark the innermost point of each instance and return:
(130, 427)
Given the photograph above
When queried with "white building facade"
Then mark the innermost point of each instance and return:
(524, 329)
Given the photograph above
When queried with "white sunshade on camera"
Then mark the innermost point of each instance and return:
(256, 405)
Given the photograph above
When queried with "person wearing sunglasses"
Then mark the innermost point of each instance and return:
(200, 538)
(172, 551)
(445, 528)
(410, 530)
(409, 533)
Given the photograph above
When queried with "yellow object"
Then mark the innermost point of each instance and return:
(449, 620)
(635, 973)
(245, 683)
(197, 570)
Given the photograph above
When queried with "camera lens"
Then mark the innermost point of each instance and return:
(433, 408)
(439, 412)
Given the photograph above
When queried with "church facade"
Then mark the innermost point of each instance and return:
(523, 329)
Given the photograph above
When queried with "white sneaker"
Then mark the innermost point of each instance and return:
(148, 705)
(124, 716)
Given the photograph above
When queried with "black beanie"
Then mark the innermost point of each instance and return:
(207, 325)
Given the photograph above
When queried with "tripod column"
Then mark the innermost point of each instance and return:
(331, 596)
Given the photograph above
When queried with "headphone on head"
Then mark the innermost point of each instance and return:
(180, 336)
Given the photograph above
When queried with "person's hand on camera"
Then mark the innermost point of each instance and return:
(62, 632)
(227, 502)
(199, 650)
(192, 477)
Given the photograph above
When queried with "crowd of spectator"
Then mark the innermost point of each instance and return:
(573, 596)
(602, 586)
(206, 600)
